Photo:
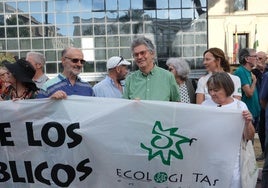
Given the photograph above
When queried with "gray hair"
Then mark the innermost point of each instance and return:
(37, 57)
(142, 41)
(243, 53)
(181, 66)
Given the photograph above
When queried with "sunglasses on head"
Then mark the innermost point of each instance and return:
(75, 60)
(120, 61)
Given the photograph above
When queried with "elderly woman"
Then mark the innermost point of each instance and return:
(186, 86)
(19, 75)
(220, 88)
(3, 80)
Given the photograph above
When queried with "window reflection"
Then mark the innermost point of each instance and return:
(98, 5)
(124, 4)
(136, 4)
(176, 26)
(35, 6)
(161, 4)
(23, 6)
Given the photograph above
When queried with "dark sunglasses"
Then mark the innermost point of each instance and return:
(75, 60)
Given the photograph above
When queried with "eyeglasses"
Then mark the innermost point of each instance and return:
(75, 60)
(142, 53)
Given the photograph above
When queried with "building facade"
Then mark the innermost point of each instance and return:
(246, 18)
(103, 28)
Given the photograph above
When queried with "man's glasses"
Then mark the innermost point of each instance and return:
(142, 53)
(75, 60)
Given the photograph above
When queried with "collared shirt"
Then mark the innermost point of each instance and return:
(107, 88)
(159, 84)
(40, 81)
(253, 101)
(62, 83)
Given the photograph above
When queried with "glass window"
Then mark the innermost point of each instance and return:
(51, 68)
(89, 67)
(124, 4)
(113, 52)
(100, 42)
(48, 6)
(240, 5)
(12, 20)
(23, 6)
(25, 44)
(149, 14)
(10, 7)
(111, 5)
(60, 6)
(188, 51)
(87, 30)
(187, 3)
(174, 3)
(49, 43)
(113, 41)
(100, 54)
(188, 38)
(99, 17)
(2, 44)
(124, 28)
(99, 29)
(61, 18)
(160, 3)
(49, 18)
(136, 4)
(112, 17)
(112, 29)
(101, 66)
(162, 14)
(35, 6)
(151, 4)
(201, 38)
(36, 18)
(126, 53)
(2, 32)
(98, 5)
(1, 7)
(24, 31)
(12, 44)
(86, 5)
(37, 44)
(137, 28)
(12, 32)
(50, 55)
(175, 14)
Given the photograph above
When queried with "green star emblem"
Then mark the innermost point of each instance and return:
(166, 143)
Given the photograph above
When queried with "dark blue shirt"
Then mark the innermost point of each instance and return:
(62, 83)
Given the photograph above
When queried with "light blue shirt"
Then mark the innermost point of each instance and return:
(107, 88)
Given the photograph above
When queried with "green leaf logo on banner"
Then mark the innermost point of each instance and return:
(166, 143)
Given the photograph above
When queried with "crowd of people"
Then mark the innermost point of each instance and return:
(244, 89)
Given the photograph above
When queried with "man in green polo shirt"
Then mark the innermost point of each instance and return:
(150, 82)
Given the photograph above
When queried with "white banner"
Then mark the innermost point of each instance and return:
(115, 143)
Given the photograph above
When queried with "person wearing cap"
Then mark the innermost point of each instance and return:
(68, 82)
(150, 82)
(38, 61)
(112, 85)
(19, 75)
